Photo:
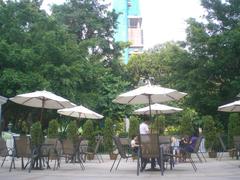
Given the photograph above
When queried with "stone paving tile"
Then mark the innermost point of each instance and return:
(210, 170)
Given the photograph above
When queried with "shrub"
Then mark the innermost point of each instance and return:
(53, 129)
(134, 126)
(108, 133)
(88, 132)
(186, 123)
(36, 134)
(210, 133)
(233, 128)
(72, 131)
(158, 125)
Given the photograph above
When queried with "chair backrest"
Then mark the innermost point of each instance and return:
(164, 139)
(198, 143)
(3, 147)
(125, 141)
(236, 141)
(121, 149)
(97, 145)
(68, 147)
(165, 143)
(83, 146)
(221, 142)
(51, 141)
(22, 146)
(149, 145)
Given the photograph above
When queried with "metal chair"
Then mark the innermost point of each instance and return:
(94, 151)
(51, 149)
(22, 149)
(4, 150)
(150, 151)
(236, 141)
(71, 151)
(121, 151)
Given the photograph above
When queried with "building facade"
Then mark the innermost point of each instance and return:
(129, 26)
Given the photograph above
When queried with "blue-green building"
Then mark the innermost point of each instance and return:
(129, 26)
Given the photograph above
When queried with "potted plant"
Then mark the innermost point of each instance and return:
(210, 133)
(108, 133)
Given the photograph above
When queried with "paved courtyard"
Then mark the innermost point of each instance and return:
(210, 170)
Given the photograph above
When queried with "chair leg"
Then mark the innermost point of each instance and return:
(192, 163)
(138, 165)
(118, 163)
(199, 157)
(12, 162)
(205, 158)
(3, 160)
(101, 157)
(98, 158)
(113, 164)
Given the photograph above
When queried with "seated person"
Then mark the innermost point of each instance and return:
(134, 145)
(187, 145)
(190, 146)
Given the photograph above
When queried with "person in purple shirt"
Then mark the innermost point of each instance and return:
(191, 145)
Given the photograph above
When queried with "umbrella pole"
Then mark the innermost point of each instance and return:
(43, 103)
(41, 115)
(150, 111)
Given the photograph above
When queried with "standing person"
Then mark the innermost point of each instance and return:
(144, 127)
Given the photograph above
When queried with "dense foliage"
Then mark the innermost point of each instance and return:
(72, 53)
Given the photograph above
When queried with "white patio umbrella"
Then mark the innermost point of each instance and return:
(231, 107)
(80, 112)
(42, 99)
(158, 109)
(149, 94)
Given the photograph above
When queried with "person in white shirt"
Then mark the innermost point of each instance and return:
(143, 128)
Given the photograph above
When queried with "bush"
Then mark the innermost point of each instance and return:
(72, 132)
(186, 123)
(210, 133)
(134, 126)
(36, 134)
(108, 133)
(158, 126)
(233, 128)
(53, 129)
(88, 132)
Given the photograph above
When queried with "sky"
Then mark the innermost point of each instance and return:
(163, 20)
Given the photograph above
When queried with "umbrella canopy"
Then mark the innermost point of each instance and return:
(158, 109)
(80, 112)
(231, 107)
(42, 99)
(149, 94)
